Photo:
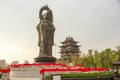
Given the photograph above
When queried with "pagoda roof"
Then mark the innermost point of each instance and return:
(63, 46)
(69, 45)
(70, 48)
(69, 39)
(69, 51)
(117, 62)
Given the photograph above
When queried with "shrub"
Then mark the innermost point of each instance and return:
(0, 76)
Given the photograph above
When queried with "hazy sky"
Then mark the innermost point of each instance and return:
(94, 23)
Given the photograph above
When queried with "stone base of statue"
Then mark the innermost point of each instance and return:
(45, 59)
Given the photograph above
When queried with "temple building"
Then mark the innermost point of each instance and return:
(68, 49)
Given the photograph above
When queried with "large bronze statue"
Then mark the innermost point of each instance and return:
(46, 31)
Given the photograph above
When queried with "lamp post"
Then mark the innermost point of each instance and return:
(55, 48)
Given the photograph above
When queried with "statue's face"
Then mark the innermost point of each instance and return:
(46, 15)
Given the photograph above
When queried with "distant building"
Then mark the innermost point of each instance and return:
(68, 49)
(2, 63)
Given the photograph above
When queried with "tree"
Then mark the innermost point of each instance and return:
(15, 62)
(26, 62)
(75, 60)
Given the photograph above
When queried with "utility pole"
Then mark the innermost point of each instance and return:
(55, 48)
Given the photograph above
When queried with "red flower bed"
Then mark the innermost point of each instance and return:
(44, 64)
(5, 71)
(72, 69)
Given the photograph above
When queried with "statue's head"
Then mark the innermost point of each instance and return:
(47, 15)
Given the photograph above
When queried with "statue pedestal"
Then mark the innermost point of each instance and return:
(45, 59)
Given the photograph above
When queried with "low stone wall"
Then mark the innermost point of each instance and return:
(24, 74)
(98, 78)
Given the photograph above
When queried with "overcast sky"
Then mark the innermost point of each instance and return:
(94, 23)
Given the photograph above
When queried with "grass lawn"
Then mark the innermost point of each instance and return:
(87, 75)
(84, 75)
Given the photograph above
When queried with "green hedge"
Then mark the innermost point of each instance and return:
(87, 75)
(83, 75)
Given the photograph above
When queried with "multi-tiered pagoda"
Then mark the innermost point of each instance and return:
(69, 47)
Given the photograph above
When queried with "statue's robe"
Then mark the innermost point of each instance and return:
(46, 37)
